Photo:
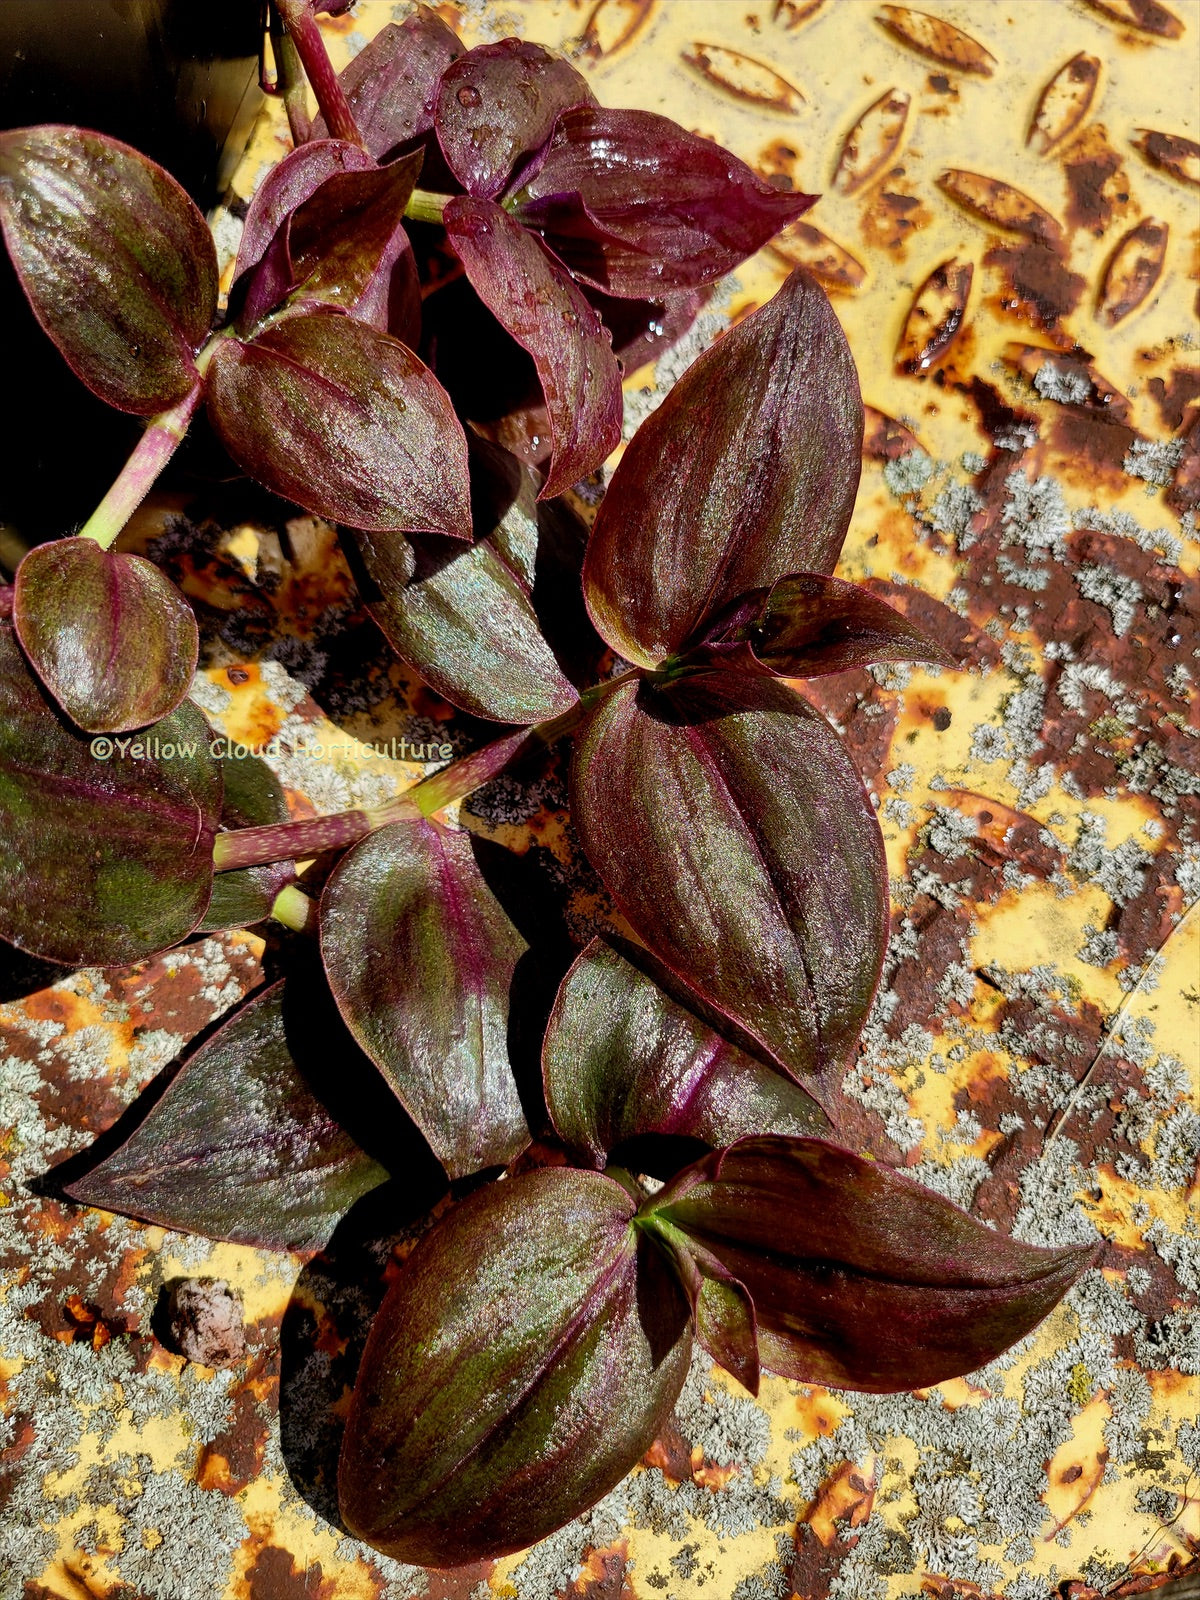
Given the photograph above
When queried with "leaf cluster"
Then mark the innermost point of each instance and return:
(536, 1339)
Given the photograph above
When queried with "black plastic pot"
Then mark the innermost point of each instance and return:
(178, 79)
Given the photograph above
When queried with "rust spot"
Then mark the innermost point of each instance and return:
(1039, 286)
(999, 203)
(1098, 188)
(892, 217)
(791, 13)
(744, 77)
(274, 1577)
(802, 245)
(872, 142)
(1174, 395)
(885, 439)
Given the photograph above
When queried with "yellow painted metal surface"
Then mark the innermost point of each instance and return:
(1041, 884)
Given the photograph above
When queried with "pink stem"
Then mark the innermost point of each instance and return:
(154, 449)
(306, 35)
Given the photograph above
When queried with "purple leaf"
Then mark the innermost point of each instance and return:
(736, 837)
(392, 83)
(629, 1051)
(420, 957)
(344, 421)
(499, 103)
(536, 302)
(238, 1146)
(117, 262)
(809, 624)
(465, 619)
(859, 1276)
(637, 206)
(109, 635)
(745, 473)
(105, 852)
(521, 1365)
(724, 1312)
(340, 248)
(287, 186)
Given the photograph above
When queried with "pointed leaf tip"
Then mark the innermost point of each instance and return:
(745, 473)
(810, 624)
(238, 1146)
(636, 205)
(860, 1277)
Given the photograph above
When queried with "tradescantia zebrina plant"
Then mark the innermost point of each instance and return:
(534, 1342)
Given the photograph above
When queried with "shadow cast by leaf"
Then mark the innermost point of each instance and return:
(325, 1329)
(533, 903)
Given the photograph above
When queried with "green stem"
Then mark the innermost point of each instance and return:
(295, 910)
(310, 47)
(158, 444)
(288, 841)
(425, 206)
(291, 80)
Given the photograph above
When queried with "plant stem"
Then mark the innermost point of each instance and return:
(292, 83)
(425, 206)
(288, 841)
(295, 910)
(310, 47)
(155, 448)
(463, 777)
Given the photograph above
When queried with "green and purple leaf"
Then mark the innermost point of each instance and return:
(346, 422)
(629, 1051)
(420, 957)
(809, 624)
(497, 104)
(392, 84)
(520, 1366)
(238, 1146)
(637, 206)
(343, 247)
(747, 472)
(110, 636)
(535, 301)
(286, 187)
(736, 837)
(860, 1277)
(724, 1313)
(465, 619)
(116, 260)
(103, 860)
(253, 798)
